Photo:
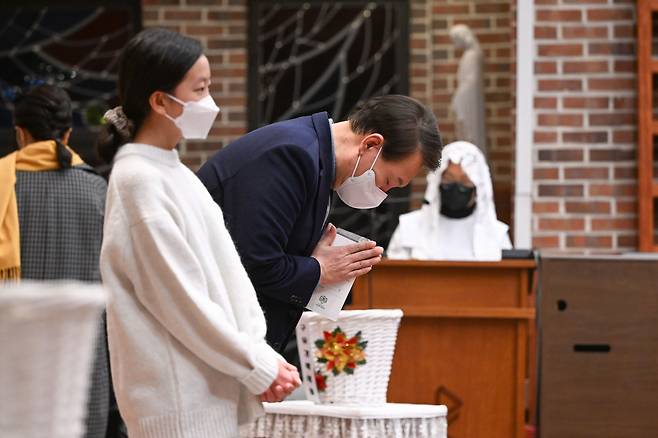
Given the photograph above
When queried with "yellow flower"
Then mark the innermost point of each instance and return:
(339, 352)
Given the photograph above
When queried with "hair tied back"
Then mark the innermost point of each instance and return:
(116, 117)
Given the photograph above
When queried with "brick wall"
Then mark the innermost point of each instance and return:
(584, 150)
(490, 21)
(433, 71)
(585, 142)
(221, 25)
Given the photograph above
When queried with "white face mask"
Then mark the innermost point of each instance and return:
(362, 191)
(197, 117)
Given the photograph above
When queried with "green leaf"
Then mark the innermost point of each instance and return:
(319, 343)
(361, 362)
(349, 370)
(322, 360)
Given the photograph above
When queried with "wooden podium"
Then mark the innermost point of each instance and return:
(463, 340)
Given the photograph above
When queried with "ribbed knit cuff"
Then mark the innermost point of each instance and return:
(266, 367)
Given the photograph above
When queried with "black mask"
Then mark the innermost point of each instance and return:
(455, 198)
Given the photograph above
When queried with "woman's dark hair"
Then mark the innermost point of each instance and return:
(45, 112)
(155, 59)
(405, 124)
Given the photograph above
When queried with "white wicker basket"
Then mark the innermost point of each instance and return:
(47, 336)
(348, 361)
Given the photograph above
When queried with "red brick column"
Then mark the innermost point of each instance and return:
(585, 104)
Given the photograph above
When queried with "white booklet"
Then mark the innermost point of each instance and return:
(329, 300)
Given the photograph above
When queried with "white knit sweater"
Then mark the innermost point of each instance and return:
(185, 330)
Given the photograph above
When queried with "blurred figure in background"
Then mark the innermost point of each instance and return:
(468, 103)
(458, 219)
(51, 216)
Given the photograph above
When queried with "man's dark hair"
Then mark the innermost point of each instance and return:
(405, 124)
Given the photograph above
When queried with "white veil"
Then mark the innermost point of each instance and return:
(416, 235)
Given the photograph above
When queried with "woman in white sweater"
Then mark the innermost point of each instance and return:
(186, 332)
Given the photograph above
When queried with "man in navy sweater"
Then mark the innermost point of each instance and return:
(274, 186)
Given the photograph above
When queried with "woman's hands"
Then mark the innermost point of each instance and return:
(284, 384)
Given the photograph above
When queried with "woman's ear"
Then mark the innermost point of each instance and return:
(157, 102)
(66, 136)
(20, 137)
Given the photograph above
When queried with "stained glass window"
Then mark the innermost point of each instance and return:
(71, 43)
(312, 56)
(324, 56)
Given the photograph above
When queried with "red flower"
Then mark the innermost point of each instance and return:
(320, 381)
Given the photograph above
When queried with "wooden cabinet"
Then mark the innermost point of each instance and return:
(599, 347)
(463, 340)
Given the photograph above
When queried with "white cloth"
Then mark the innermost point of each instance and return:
(303, 419)
(425, 234)
(186, 332)
(468, 101)
(455, 238)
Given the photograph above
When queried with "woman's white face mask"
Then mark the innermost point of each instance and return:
(197, 117)
(362, 191)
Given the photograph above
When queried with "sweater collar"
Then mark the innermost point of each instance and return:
(164, 156)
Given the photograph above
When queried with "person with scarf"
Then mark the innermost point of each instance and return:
(458, 219)
(51, 217)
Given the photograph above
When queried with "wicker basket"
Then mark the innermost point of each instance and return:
(348, 361)
(47, 336)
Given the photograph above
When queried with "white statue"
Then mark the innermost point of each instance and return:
(468, 100)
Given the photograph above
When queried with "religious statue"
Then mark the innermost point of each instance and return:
(468, 101)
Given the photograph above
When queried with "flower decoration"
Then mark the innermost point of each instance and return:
(339, 352)
(320, 381)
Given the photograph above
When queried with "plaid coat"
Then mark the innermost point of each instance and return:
(60, 215)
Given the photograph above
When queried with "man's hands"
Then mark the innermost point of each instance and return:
(340, 263)
(285, 383)
(337, 263)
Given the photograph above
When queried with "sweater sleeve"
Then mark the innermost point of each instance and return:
(172, 287)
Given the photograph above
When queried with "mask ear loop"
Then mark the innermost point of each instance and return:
(356, 165)
(376, 156)
(175, 99)
(178, 101)
(359, 159)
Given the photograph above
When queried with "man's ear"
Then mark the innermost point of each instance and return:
(371, 140)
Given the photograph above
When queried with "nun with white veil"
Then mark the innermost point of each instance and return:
(458, 218)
